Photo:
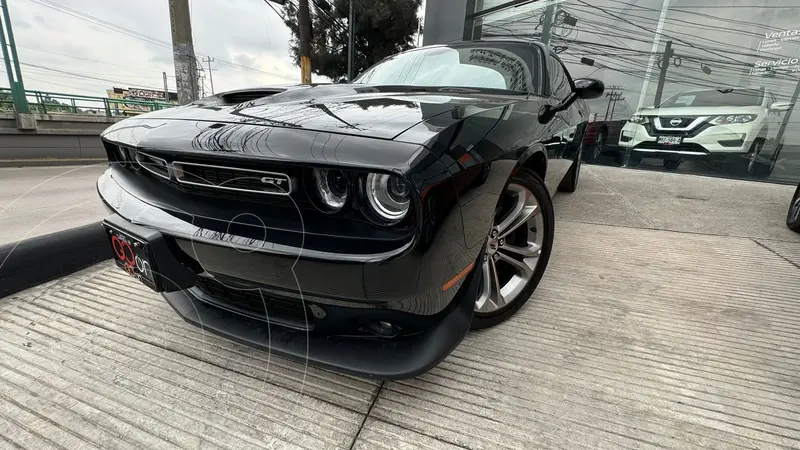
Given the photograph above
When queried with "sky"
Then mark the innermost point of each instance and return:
(61, 51)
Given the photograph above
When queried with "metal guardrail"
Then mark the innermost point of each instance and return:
(55, 103)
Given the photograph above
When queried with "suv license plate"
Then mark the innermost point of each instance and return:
(669, 140)
(133, 256)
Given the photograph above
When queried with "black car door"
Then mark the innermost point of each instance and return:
(564, 139)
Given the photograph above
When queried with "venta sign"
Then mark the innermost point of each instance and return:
(783, 35)
(775, 42)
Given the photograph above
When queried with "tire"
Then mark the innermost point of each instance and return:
(672, 164)
(793, 216)
(634, 160)
(570, 182)
(752, 165)
(774, 160)
(598, 148)
(532, 237)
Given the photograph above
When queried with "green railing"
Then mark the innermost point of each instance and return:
(54, 103)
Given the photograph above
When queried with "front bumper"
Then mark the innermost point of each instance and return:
(714, 140)
(371, 357)
(332, 327)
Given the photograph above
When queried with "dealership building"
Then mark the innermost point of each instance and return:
(646, 51)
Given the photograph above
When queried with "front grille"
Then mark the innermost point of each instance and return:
(251, 302)
(232, 178)
(155, 165)
(666, 121)
(653, 131)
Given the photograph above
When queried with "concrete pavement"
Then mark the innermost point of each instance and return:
(668, 318)
(41, 200)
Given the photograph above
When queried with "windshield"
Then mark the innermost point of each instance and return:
(721, 97)
(496, 66)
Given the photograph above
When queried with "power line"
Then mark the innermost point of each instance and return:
(88, 77)
(120, 29)
(140, 69)
(269, 3)
(646, 29)
(687, 24)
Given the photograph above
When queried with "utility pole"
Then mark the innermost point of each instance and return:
(201, 81)
(166, 87)
(612, 95)
(613, 99)
(183, 51)
(668, 53)
(304, 23)
(209, 60)
(653, 53)
(549, 18)
(351, 43)
(15, 76)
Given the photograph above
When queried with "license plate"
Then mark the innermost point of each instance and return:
(669, 140)
(133, 256)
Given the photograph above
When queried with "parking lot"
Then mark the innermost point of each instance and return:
(668, 318)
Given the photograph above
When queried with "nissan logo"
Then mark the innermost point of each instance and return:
(675, 121)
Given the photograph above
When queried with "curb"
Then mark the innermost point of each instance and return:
(41, 259)
(47, 162)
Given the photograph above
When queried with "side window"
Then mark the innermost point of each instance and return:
(560, 84)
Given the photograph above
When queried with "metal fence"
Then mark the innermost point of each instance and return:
(41, 102)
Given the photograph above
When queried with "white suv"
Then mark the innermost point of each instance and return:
(736, 125)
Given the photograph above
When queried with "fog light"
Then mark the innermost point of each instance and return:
(382, 329)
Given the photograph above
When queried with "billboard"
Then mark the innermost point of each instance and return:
(137, 95)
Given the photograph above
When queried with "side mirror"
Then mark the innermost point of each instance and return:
(780, 106)
(585, 89)
(589, 88)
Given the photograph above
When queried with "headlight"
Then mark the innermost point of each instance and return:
(737, 118)
(332, 187)
(641, 120)
(388, 195)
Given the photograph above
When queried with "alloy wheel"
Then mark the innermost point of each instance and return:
(513, 249)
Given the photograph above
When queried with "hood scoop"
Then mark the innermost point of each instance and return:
(237, 97)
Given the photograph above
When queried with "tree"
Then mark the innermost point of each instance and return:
(383, 28)
(6, 102)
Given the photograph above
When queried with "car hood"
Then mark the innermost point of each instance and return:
(700, 111)
(382, 112)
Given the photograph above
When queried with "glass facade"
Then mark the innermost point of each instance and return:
(705, 87)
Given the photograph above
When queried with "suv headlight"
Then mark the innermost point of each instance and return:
(388, 195)
(641, 120)
(736, 118)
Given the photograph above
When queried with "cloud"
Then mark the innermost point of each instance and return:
(129, 44)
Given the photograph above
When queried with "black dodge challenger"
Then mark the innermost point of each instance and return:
(363, 227)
